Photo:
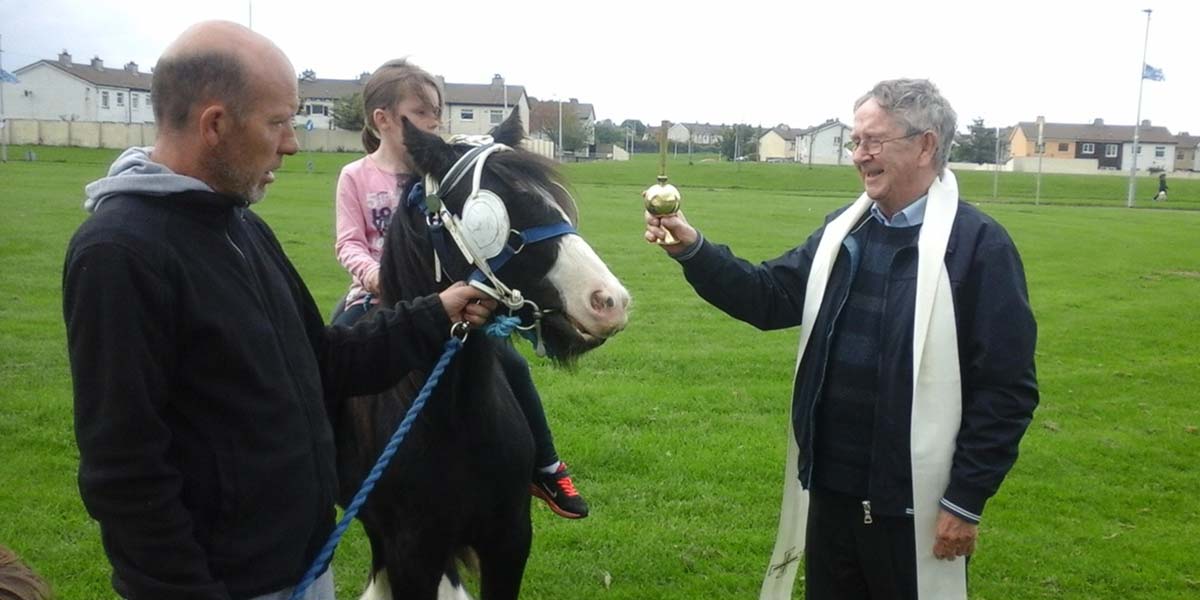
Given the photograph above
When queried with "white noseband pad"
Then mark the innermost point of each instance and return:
(485, 223)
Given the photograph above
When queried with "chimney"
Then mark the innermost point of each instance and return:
(1098, 122)
(1145, 122)
(497, 81)
(574, 100)
(97, 64)
(131, 67)
(64, 58)
(1183, 134)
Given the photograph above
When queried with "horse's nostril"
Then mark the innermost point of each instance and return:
(602, 302)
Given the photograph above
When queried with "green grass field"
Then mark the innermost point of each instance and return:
(675, 428)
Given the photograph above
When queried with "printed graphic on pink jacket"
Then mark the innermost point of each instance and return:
(367, 196)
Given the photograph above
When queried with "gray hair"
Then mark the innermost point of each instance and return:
(917, 105)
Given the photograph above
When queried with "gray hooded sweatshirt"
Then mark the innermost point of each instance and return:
(134, 173)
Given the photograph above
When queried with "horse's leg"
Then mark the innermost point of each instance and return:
(503, 554)
(378, 586)
(415, 567)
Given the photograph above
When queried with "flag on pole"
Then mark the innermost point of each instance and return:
(1149, 72)
(7, 77)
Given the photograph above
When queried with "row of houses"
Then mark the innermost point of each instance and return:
(64, 90)
(1110, 147)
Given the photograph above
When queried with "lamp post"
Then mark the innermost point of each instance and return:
(996, 167)
(1137, 123)
(1041, 150)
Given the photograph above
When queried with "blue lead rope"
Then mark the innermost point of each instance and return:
(322, 560)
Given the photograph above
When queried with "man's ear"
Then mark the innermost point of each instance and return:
(929, 147)
(214, 123)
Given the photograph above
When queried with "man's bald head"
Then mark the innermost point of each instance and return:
(212, 62)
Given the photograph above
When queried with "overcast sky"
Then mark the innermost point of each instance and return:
(796, 62)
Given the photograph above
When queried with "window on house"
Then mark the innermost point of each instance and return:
(148, 100)
(1178, 156)
(1063, 147)
(467, 114)
(103, 99)
(497, 116)
(1088, 149)
(1160, 151)
(133, 100)
(1110, 150)
(120, 98)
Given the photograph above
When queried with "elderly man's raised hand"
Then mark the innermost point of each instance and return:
(465, 303)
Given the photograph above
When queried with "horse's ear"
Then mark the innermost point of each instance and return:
(510, 132)
(430, 154)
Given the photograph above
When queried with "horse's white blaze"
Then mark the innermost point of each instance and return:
(592, 296)
(379, 588)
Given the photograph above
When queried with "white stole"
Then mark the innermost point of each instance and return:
(936, 403)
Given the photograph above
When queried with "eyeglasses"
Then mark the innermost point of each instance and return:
(873, 147)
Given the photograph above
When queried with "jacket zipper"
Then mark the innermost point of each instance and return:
(261, 295)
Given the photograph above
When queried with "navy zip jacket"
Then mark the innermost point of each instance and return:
(204, 383)
(996, 338)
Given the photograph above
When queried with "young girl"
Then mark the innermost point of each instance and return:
(369, 191)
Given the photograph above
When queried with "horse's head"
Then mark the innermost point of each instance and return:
(581, 302)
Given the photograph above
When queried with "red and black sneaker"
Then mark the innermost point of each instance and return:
(559, 492)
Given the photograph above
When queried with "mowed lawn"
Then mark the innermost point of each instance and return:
(675, 428)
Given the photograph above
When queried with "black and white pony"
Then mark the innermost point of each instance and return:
(461, 479)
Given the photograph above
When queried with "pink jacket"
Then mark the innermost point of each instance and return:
(367, 196)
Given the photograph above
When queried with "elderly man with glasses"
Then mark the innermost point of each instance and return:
(915, 380)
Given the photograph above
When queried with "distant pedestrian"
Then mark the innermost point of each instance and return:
(1162, 188)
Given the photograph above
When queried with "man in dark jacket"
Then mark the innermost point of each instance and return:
(204, 377)
(916, 375)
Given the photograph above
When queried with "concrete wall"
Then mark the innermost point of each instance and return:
(122, 135)
(957, 166)
(540, 147)
(85, 134)
(1029, 164)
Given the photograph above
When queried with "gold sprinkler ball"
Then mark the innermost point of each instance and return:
(661, 199)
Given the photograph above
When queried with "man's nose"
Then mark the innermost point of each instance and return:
(290, 144)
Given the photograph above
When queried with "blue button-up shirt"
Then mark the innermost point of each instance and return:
(911, 216)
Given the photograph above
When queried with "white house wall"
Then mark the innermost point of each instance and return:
(482, 121)
(827, 146)
(48, 93)
(678, 133)
(772, 145)
(1146, 159)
